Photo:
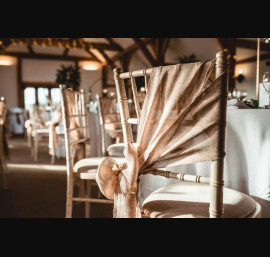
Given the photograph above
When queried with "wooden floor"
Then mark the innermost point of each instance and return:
(38, 190)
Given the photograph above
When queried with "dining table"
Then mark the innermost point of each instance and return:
(247, 160)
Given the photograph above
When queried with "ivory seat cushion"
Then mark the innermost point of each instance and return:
(116, 150)
(41, 132)
(92, 163)
(191, 200)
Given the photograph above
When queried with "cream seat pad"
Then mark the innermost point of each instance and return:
(93, 163)
(116, 150)
(187, 199)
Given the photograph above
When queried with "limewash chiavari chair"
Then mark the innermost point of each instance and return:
(193, 196)
(107, 111)
(39, 134)
(3, 166)
(80, 166)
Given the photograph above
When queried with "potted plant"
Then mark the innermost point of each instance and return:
(69, 76)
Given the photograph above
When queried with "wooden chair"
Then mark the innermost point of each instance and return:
(3, 165)
(110, 125)
(186, 198)
(39, 136)
(79, 167)
(56, 132)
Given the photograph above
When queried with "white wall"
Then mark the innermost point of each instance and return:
(40, 71)
(249, 72)
(8, 84)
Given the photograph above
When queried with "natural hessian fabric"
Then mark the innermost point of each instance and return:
(180, 124)
(55, 120)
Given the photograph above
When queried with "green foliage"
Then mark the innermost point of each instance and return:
(68, 76)
(188, 59)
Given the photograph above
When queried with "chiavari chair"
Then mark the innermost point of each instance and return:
(192, 196)
(80, 167)
(110, 126)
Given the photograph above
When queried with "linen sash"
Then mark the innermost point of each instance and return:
(180, 124)
(55, 120)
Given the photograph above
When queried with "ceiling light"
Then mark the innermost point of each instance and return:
(7, 60)
(90, 65)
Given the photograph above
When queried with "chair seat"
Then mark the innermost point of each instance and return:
(41, 132)
(116, 150)
(92, 163)
(88, 175)
(191, 200)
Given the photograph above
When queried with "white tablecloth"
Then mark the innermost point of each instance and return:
(247, 163)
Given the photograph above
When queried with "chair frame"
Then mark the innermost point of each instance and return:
(3, 164)
(36, 141)
(102, 126)
(70, 161)
(216, 182)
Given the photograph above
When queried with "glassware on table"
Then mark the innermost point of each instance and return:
(266, 85)
(241, 94)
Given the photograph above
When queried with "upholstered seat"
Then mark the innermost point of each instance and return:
(41, 132)
(116, 149)
(92, 163)
(190, 200)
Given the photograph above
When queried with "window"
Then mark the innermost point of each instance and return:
(42, 94)
(55, 96)
(29, 97)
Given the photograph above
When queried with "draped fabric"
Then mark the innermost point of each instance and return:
(36, 118)
(111, 119)
(56, 118)
(74, 107)
(181, 123)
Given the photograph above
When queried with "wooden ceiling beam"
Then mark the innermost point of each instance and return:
(65, 53)
(249, 44)
(107, 58)
(254, 59)
(112, 42)
(134, 47)
(146, 52)
(30, 48)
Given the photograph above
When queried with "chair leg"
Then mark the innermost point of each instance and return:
(3, 178)
(69, 200)
(52, 159)
(99, 194)
(36, 148)
(87, 195)
(32, 147)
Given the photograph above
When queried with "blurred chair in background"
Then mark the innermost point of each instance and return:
(111, 129)
(81, 170)
(3, 144)
(37, 131)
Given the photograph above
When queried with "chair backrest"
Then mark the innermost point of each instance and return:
(3, 111)
(76, 129)
(37, 116)
(216, 179)
(108, 118)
